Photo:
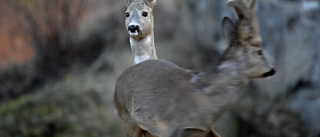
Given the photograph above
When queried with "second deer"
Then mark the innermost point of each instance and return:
(159, 98)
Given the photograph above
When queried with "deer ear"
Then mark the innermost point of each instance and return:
(151, 3)
(128, 2)
(228, 28)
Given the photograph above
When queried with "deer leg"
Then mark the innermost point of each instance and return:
(213, 133)
(133, 130)
(189, 133)
(147, 134)
(194, 133)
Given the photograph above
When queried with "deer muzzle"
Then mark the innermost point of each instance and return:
(270, 73)
(133, 28)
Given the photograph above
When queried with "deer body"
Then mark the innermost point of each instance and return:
(159, 98)
(139, 23)
(198, 97)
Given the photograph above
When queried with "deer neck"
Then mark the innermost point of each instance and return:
(143, 49)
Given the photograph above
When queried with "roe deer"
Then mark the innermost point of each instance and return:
(159, 98)
(139, 23)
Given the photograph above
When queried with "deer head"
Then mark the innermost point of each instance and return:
(244, 40)
(139, 21)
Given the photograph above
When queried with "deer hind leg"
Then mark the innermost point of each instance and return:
(213, 133)
(197, 133)
(190, 132)
(147, 134)
(131, 129)
(200, 133)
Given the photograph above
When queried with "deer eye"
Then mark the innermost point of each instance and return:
(259, 52)
(145, 14)
(127, 14)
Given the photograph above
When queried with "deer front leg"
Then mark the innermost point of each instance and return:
(131, 129)
(213, 133)
(193, 132)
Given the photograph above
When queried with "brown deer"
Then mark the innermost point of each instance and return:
(159, 98)
(139, 23)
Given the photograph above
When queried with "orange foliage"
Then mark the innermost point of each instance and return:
(14, 47)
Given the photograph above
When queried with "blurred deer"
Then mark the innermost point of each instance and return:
(159, 98)
(139, 23)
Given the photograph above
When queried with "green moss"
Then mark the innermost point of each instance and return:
(58, 111)
(27, 116)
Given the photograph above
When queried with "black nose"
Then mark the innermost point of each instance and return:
(133, 28)
(270, 73)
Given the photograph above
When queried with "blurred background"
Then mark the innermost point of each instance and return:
(60, 59)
